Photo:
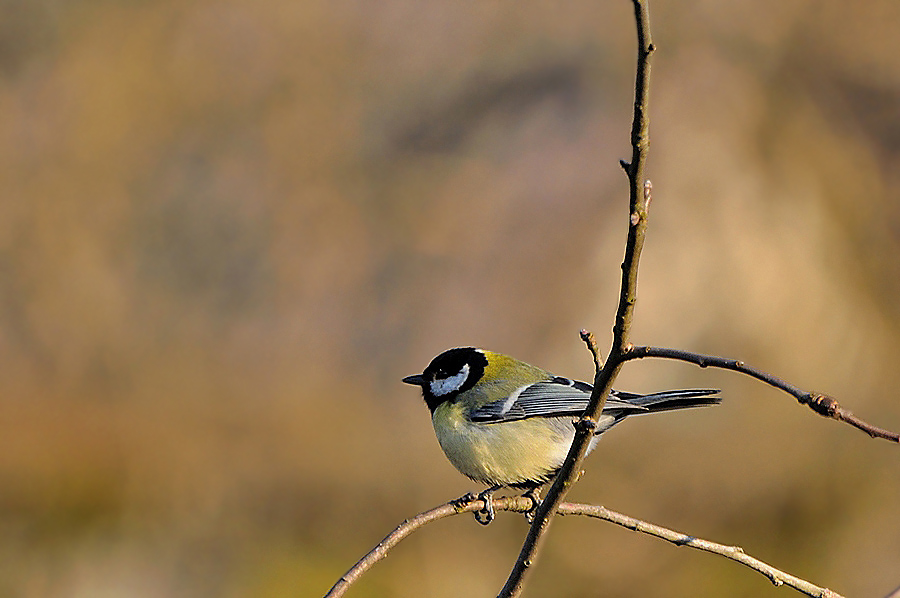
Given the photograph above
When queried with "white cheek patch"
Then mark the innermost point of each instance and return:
(443, 386)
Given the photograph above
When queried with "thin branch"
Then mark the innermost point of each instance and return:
(822, 404)
(400, 532)
(639, 197)
(588, 337)
(735, 553)
(521, 504)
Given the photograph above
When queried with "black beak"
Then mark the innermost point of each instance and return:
(417, 380)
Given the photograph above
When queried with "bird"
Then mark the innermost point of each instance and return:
(505, 423)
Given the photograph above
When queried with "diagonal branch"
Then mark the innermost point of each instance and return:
(822, 404)
(522, 505)
(639, 199)
(382, 549)
(735, 553)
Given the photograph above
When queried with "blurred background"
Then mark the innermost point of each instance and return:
(228, 229)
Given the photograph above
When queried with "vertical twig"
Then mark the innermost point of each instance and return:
(639, 198)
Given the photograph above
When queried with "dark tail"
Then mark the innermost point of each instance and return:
(669, 400)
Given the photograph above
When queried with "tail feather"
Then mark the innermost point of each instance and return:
(669, 400)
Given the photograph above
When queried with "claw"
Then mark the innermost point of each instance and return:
(463, 500)
(486, 515)
(532, 495)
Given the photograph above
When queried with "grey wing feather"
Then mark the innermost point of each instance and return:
(557, 397)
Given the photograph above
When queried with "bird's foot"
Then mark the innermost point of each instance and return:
(464, 500)
(535, 498)
(486, 514)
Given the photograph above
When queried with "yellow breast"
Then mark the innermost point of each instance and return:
(502, 453)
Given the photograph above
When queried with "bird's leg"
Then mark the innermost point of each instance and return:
(486, 515)
(534, 496)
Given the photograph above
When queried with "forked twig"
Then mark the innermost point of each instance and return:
(605, 373)
(520, 504)
(639, 199)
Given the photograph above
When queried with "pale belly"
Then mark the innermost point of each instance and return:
(510, 453)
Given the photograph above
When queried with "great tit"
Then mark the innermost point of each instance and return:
(503, 422)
